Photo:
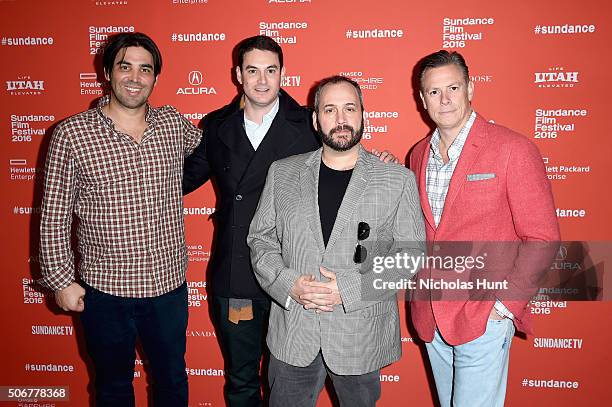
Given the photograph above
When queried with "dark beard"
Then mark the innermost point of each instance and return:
(341, 145)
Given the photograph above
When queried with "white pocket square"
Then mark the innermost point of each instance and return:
(480, 177)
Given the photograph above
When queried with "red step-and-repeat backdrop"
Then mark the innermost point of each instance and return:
(540, 67)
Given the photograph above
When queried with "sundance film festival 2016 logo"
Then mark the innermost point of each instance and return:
(455, 35)
(556, 77)
(281, 31)
(33, 294)
(196, 293)
(25, 86)
(553, 123)
(376, 122)
(196, 79)
(28, 127)
(98, 36)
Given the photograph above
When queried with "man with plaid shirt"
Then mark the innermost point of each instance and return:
(118, 169)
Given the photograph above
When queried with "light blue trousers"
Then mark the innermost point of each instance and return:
(473, 374)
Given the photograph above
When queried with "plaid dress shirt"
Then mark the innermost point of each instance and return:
(438, 175)
(127, 199)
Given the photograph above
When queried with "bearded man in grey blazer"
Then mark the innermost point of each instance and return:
(324, 222)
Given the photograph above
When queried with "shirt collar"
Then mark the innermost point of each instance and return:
(455, 148)
(267, 118)
(150, 116)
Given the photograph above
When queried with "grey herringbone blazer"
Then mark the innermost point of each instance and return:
(285, 238)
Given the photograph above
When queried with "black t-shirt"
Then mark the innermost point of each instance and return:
(332, 186)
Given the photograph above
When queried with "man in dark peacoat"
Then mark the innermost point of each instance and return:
(237, 161)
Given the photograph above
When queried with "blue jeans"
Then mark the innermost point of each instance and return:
(473, 374)
(111, 325)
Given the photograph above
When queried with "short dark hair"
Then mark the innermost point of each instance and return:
(124, 40)
(262, 43)
(332, 80)
(443, 58)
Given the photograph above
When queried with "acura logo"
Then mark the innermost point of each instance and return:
(561, 254)
(195, 78)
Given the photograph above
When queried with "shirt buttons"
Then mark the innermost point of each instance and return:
(239, 197)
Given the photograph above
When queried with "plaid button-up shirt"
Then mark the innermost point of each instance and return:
(127, 199)
(438, 175)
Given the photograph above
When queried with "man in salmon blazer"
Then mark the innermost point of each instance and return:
(478, 183)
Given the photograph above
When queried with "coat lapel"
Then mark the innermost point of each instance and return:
(474, 143)
(357, 185)
(279, 138)
(422, 171)
(235, 139)
(309, 182)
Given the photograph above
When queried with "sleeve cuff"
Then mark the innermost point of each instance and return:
(59, 278)
(502, 311)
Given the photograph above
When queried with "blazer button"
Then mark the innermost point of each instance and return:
(239, 197)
